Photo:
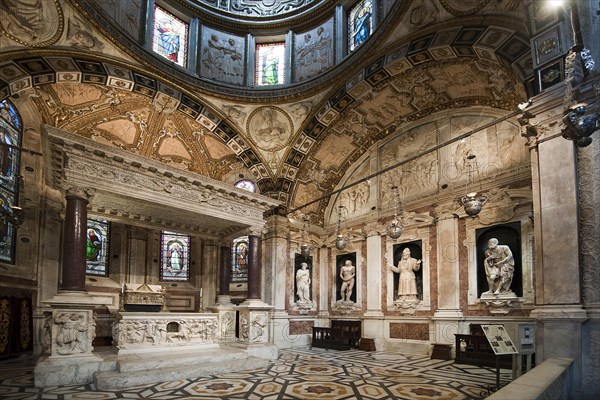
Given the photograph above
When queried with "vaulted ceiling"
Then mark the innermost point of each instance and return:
(431, 56)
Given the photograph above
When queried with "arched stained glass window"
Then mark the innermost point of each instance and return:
(246, 184)
(11, 129)
(96, 251)
(174, 257)
(170, 36)
(239, 262)
(270, 64)
(360, 23)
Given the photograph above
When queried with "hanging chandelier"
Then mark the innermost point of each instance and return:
(472, 201)
(304, 247)
(340, 240)
(395, 229)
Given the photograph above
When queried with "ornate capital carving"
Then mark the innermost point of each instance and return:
(83, 193)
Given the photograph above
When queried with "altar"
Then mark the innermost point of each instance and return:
(145, 332)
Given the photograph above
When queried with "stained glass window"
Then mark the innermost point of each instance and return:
(270, 64)
(246, 184)
(10, 180)
(174, 257)
(239, 262)
(360, 23)
(170, 36)
(96, 250)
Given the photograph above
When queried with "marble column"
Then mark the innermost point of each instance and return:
(210, 262)
(588, 166)
(224, 307)
(224, 272)
(254, 268)
(71, 325)
(255, 322)
(558, 309)
(324, 285)
(276, 263)
(448, 314)
(137, 253)
(74, 242)
(373, 318)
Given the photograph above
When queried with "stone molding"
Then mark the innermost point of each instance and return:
(124, 178)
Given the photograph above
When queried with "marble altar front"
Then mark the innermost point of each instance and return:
(143, 332)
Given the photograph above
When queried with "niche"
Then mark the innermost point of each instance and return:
(340, 261)
(507, 234)
(416, 251)
(298, 261)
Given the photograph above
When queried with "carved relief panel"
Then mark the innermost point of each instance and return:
(222, 56)
(313, 51)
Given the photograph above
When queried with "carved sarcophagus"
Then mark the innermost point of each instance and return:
(143, 298)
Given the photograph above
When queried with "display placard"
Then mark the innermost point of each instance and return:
(499, 340)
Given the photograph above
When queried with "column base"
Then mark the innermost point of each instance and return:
(66, 370)
(260, 350)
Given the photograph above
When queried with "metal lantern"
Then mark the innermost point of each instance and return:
(395, 229)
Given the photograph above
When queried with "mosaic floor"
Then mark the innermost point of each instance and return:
(297, 374)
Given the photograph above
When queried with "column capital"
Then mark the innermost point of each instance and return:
(83, 193)
(256, 230)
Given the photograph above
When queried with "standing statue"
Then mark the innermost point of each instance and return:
(303, 283)
(499, 267)
(347, 273)
(407, 282)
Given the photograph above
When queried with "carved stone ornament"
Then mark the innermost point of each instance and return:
(143, 330)
(345, 307)
(72, 332)
(143, 295)
(407, 305)
(258, 327)
(80, 192)
(500, 304)
(304, 307)
(227, 322)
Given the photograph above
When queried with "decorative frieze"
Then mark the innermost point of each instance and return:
(136, 332)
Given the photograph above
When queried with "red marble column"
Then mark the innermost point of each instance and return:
(254, 268)
(225, 275)
(74, 243)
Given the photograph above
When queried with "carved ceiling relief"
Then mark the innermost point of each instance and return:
(270, 129)
(415, 177)
(34, 24)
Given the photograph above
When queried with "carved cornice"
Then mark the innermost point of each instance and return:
(132, 184)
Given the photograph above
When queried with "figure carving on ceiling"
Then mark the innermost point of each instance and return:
(223, 59)
(33, 23)
(269, 128)
(79, 36)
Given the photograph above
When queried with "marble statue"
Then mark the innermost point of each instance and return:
(347, 273)
(303, 283)
(499, 267)
(407, 282)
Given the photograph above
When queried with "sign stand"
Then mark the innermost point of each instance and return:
(501, 343)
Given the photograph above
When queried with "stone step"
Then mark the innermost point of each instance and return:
(179, 358)
(109, 380)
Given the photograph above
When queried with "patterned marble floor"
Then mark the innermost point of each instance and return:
(299, 374)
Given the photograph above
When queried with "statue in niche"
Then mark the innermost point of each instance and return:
(499, 267)
(348, 274)
(303, 283)
(407, 282)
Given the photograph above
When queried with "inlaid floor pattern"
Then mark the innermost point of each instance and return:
(300, 374)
